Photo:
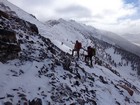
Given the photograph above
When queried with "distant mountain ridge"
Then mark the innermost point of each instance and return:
(81, 29)
(68, 31)
(135, 38)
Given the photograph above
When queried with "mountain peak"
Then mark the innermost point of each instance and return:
(61, 20)
(56, 22)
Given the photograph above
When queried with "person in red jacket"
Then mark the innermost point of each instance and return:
(77, 48)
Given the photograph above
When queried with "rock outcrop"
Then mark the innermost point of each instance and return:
(3, 14)
(9, 47)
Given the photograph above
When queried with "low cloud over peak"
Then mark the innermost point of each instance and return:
(111, 15)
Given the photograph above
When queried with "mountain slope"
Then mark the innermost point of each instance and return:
(133, 38)
(43, 71)
(71, 29)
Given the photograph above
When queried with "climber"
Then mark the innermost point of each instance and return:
(90, 53)
(77, 48)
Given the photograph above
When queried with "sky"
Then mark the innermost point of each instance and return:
(119, 16)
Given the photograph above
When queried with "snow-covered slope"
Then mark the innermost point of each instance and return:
(123, 43)
(44, 71)
(135, 38)
(72, 29)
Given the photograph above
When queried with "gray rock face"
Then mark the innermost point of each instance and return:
(8, 103)
(3, 14)
(36, 102)
(9, 46)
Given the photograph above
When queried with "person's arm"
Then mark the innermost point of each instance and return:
(83, 49)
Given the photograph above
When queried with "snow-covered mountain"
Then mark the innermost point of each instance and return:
(44, 71)
(72, 29)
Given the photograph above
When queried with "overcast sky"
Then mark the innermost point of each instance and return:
(120, 16)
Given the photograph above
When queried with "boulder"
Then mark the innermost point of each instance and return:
(102, 80)
(34, 28)
(36, 101)
(7, 36)
(8, 103)
(3, 14)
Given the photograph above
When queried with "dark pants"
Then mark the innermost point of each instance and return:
(89, 58)
(76, 51)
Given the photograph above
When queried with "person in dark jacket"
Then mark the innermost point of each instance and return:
(90, 54)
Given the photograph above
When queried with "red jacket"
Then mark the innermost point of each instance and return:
(78, 46)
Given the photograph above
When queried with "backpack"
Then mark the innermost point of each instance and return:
(94, 51)
(91, 51)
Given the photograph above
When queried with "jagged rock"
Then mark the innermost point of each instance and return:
(98, 61)
(15, 89)
(21, 41)
(34, 28)
(3, 14)
(51, 50)
(115, 72)
(31, 27)
(52, 23)
(57, 98)
(81, 101)
(22, 95)
(9, 47)
(33, 16)
(118, 103)
(76, 94)
(127, 99)
(7, 36)
(9, 95)
(77, 83)
(8, 103)
(92, 101)
(2, 98)
(57, 62)
(66, 63)
(36, 101)
(19, 21)
(102, 80)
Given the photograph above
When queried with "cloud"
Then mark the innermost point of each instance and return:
(113, 15)
(34, 3)
(76, 11)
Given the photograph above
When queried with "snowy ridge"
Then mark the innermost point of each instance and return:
(74, 30)
(44, 71)
(69, 31)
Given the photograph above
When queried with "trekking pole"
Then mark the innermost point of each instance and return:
(72, 42)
